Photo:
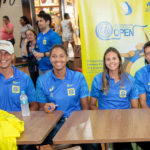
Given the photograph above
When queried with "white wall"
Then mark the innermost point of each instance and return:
(14, 13)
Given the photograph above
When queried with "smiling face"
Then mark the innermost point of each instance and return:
(5, 59)
(58, 59)
(112, 61)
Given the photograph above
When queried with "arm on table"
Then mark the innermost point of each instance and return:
(34, 106)
(84, 103)
(93, 102)
(134, 103)
(143, 102)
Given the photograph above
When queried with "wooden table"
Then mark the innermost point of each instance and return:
(105, 126)
(37, 126)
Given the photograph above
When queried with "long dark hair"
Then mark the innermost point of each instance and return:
(121, 72)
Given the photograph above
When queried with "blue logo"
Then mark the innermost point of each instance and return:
(126, 8)
(106, 31)
(148, 7)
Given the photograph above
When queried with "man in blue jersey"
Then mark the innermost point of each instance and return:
(45, 40)
(13, 81)
(142, 79)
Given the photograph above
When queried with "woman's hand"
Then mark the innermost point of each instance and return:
(49, 107)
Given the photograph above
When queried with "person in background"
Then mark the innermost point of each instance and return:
(142, 79)
(13, 81)
(29, 49)
(7, 30)
(114, 89)
(61, 88)
(25, 25)
(67, 31)
(45, 40)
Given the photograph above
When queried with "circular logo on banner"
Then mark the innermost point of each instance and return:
(104, 30)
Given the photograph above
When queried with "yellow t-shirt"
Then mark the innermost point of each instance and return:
(10, 129)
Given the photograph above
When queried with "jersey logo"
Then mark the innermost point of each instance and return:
(148, 83)
(51, 89)
(69, 85)
(51, 94)
(14, 82)
(44, 42)
(15, 89)
(71, 91)
(123, 93)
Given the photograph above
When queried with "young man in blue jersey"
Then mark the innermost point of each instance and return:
(45, 40)
(13, 81)
(142, 79)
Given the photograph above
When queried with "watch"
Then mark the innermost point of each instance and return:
(45, 54)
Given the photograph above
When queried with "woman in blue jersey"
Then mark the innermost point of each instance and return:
(61, 88)
(113, 88)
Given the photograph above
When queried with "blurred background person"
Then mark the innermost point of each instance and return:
(67, 31)
(7, 30)
(29, 49)
(25, 25)
(45, 40)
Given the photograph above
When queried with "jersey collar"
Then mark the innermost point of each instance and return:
(67, 77)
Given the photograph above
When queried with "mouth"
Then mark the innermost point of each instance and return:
(3, 61)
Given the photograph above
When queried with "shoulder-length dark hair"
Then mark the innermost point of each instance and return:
(121, 72)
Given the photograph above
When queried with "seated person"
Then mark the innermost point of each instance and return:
(142, 79)
(61, 89)
(114, 89)
(13, 81)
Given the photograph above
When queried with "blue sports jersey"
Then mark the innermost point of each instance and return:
(44, 43)
(119, 94)
(65, 93)
(142, 79)
(11, 90)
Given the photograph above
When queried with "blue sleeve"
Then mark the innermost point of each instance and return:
(84, 90)
(95, 91)
(134, 94)
(139, 83)
(40, 96)
(56, 39)
(30, 90)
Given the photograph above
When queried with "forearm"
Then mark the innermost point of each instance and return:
(93, 107)
(34, 106)
(144, 105)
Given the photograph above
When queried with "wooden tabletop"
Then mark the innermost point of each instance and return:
(105, 126)
(37, 126)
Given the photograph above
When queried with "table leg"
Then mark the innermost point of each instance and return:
(103, 146)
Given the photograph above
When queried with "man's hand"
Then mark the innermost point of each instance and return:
(49, 107)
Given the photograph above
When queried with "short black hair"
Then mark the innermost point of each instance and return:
(25, 19)
(45, 16)
(66, 15)
(58, 46)
(147, 44)
(6, 17)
